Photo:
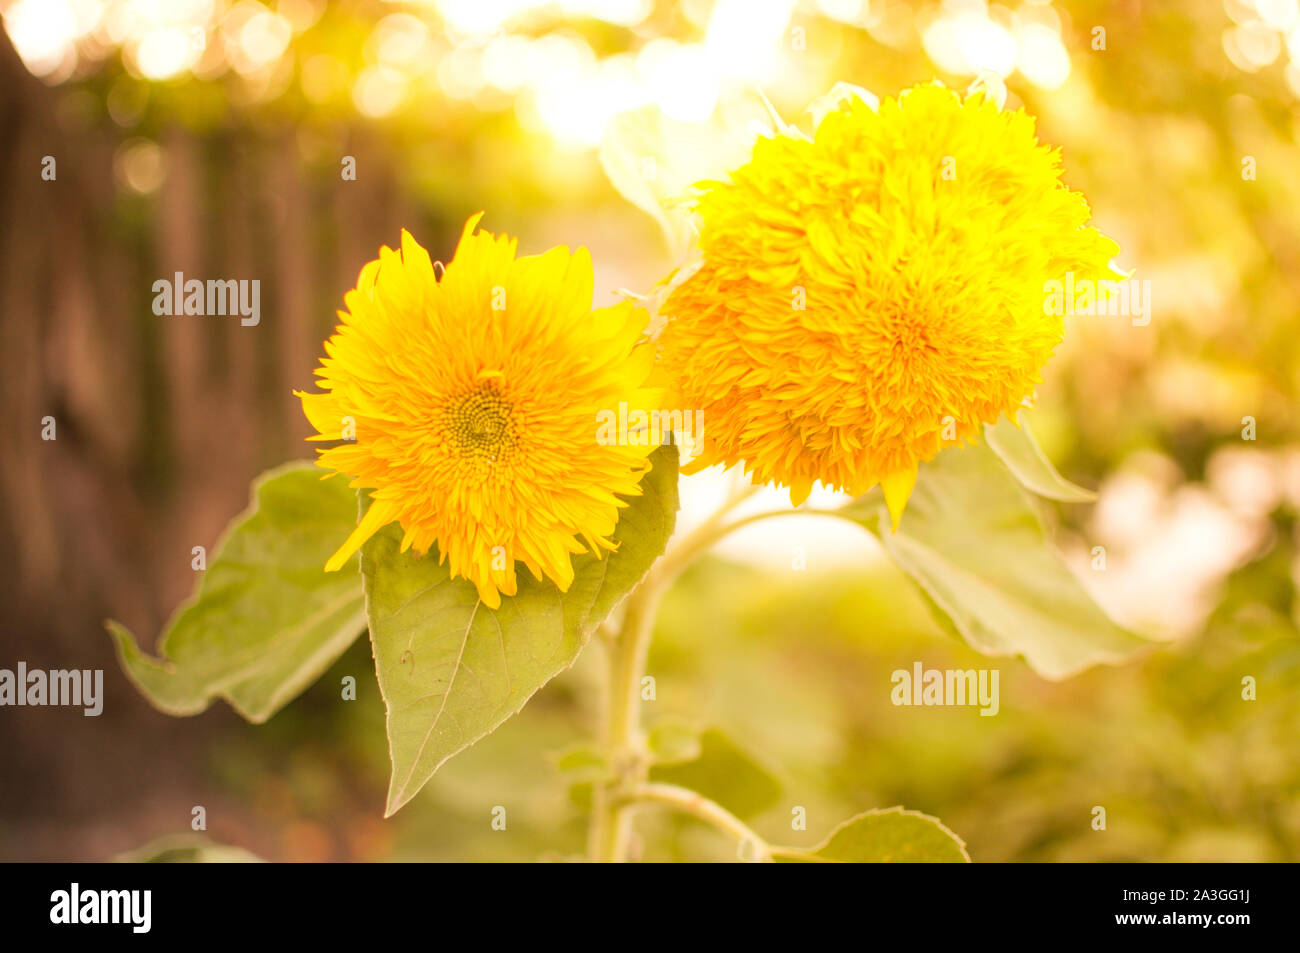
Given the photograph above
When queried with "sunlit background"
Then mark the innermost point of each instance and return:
(563, 68)
(207, 137)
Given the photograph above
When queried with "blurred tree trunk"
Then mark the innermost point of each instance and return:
(160, 421)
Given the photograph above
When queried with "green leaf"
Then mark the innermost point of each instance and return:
(582, 763)
(725, 773)
(836, 98)
(671, 741)
(266, 620)
(653, 161)
(451, 670)
(1016, 447)
(971, 539)
(881, 837)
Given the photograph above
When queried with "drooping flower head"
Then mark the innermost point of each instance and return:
(874, 294)
(468, 407)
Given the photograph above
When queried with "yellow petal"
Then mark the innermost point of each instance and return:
(898, 488)
(322, 412)
(377, 516)
(800, 487)
(488, 592)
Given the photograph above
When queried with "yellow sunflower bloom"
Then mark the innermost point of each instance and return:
(468, 407)
(876, 293)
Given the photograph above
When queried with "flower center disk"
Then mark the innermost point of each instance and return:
(480, 425)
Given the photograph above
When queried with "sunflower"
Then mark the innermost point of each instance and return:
(468, 407)
(875, 293)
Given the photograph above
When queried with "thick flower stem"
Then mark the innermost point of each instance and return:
(625, 748)
(611, 825)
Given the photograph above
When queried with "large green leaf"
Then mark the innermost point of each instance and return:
(971, 539)
(266, 620)
(1019, 451)
(889, 836)
(451, 670)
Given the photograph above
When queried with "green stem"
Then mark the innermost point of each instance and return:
(625, 749)
(611, 822)
(697, 805)
(611, 825)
